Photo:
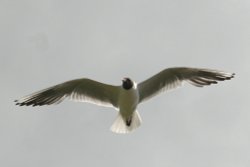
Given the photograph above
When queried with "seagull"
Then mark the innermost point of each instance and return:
(126, 97)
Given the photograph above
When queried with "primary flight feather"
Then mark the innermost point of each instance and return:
(126, 97)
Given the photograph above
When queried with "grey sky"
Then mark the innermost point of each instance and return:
(46, 42)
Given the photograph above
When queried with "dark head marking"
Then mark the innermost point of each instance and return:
(127, 83)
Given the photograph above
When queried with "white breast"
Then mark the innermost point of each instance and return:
(128, 101)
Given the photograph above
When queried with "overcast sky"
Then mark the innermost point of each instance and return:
(46, 42)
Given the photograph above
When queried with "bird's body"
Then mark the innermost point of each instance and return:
(128, 100)
(126, 97)
(128, 118)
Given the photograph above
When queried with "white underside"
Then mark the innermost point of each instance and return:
(119, 126)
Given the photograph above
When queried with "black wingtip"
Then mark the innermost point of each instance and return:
(16, 102)
(20, 104)
(230, 77)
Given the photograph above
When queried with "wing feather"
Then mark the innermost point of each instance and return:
(81, 90)
(173, 77)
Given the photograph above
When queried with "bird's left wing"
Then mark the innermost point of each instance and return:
(173, 77)
(83, 90)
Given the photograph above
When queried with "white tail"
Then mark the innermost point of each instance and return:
(119, 126)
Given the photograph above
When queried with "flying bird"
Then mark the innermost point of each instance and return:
(126, 97)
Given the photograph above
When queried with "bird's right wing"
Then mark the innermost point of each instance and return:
(173, 77)
(83, 90)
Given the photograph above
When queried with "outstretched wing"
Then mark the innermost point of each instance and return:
(173, 77)
(83, 90)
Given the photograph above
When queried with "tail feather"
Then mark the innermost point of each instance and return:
(120, 126)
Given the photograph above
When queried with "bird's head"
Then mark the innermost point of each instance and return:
(127, 83)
